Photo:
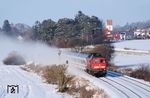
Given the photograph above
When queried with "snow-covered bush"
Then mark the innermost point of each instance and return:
(143, 72)
(73, 85)
(57, 74)
(82, 88)
(14, 58)
(48, 73)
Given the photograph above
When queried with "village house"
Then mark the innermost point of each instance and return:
(142, 33)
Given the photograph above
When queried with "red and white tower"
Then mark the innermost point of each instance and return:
(108, 29)
(109, 25)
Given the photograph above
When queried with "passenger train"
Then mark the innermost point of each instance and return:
(93, 63)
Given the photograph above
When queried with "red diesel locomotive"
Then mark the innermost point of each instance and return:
(93, 63)
(96, 64)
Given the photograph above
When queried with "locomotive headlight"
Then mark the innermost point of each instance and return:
(96, 66)
(102, 66)
(96, 61)
(99, 67)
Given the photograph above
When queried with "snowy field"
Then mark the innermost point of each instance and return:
(124, 59)
(30, 85)
(134, 44)
(131, 58)
(33, 86)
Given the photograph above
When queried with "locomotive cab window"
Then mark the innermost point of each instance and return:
(90, 56)
(93, 55)
(97, 55)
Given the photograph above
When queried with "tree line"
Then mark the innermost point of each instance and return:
(15, 30)
(82, 30)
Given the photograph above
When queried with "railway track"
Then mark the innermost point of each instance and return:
(129, 78)
(141, 85)
(122, 86)
(118, 89)
(129, 87)
(126, 86)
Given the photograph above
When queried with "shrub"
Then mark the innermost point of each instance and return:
(81, 88)
(143, 72)
(62, 78)
(49, 73)
(32, 67)
(126, 71)
(112, 67)
(57, 75)
(14, 58)
(106, 51)
(84, 93)
(66, 83)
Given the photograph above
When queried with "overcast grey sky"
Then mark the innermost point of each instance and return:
(28, 11)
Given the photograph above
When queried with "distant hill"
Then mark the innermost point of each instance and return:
(16, 30)
(133, 26)
(24, 30)
(22, 27)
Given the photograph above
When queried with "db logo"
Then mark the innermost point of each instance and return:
(12, 89)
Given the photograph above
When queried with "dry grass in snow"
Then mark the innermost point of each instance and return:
(73, 85)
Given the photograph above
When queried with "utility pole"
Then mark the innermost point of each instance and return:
(93, 32)
(81, 42)
(59, 56)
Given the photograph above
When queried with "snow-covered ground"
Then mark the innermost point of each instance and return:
(30, 85)
(134, 44)
(127, 58)
(116, 85)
